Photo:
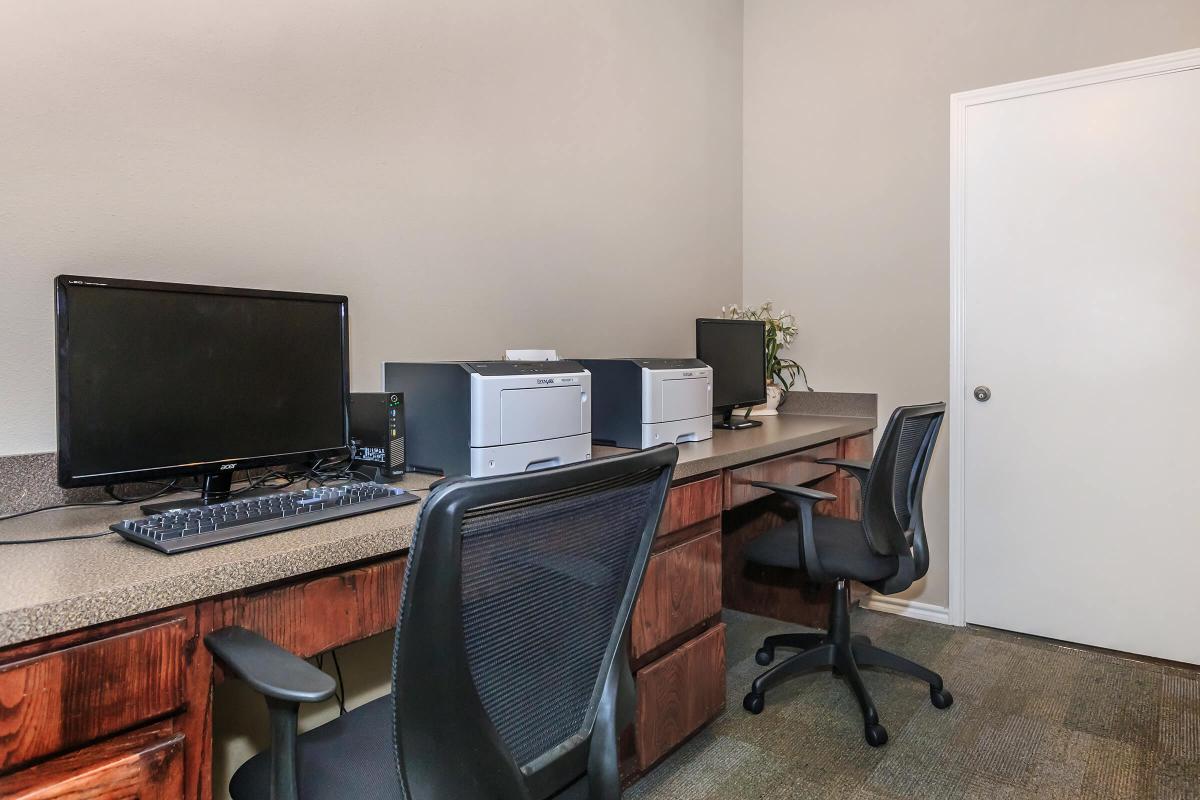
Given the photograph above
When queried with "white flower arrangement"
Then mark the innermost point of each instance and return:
(781, 332)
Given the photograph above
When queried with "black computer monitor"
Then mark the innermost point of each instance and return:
(162, 380)
(736, 351)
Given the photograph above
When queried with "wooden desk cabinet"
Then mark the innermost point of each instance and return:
(123, 711)
(677, 641)
(146, 764)
(110, 712)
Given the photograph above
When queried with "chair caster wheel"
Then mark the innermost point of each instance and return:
(940, 698)
(753, 703)
(876, 735)
(764, 656)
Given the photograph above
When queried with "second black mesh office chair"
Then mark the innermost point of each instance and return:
(510, 677)
(886, 550)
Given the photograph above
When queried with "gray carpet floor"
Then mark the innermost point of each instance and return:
(1031, 719)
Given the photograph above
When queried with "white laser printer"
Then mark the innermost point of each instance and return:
(493, 417)
(643, 402)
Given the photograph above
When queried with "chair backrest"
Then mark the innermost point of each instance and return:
(892, 516)
(510, 643)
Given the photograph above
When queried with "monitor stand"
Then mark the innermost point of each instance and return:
(375, 474)
(214, 488)
(727, 422)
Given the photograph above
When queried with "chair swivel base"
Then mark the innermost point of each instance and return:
(845, 654)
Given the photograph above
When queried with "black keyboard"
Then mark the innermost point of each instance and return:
(176, 530)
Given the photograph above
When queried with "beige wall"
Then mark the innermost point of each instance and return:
(847, 171)
(475, 175)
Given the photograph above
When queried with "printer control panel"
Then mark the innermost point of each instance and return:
(670, 363)
(500, 368)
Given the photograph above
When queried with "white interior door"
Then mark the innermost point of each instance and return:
(1080, 253)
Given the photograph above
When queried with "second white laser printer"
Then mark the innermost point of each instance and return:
(643, 402)
(493, 417)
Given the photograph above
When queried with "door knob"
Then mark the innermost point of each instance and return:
(983, 394)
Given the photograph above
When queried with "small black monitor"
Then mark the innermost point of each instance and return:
(161, 380)
(736, 351)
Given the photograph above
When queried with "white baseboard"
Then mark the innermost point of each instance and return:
(907, 608)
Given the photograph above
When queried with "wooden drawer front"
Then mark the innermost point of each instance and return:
(315, 616)
(678, 694)
(65, 698)
(691, 503)
(793, 469)
(682, 589)
(144, 765)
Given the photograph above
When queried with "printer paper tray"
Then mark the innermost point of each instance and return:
(677, 431)
(505, 459)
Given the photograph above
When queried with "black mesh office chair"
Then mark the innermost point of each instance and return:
(510, 678)
(886, 550)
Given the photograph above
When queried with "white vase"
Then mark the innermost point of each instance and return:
(769, 408)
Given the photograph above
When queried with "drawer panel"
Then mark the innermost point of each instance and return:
(144, 765)
(678, 694)
(314, 616)
(793, 469)
(64, 698)
(690, 503)
(682, 589)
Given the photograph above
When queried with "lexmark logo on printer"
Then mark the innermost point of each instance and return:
(545, 380)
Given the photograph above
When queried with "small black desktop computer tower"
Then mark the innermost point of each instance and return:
(377, 431)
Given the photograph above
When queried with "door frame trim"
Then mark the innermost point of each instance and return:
(960, 104)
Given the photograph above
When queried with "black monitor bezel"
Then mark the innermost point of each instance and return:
(700, 322)
(67, 479)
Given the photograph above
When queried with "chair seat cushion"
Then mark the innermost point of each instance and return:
(349, 757)
(841, 545)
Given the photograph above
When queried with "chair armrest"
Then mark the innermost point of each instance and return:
(847, 463)
(804, 500)
(801, 494)
(286, 681)
(859, 469)
(268, 668)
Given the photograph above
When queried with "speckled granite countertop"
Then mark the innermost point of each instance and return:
(61, 586)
